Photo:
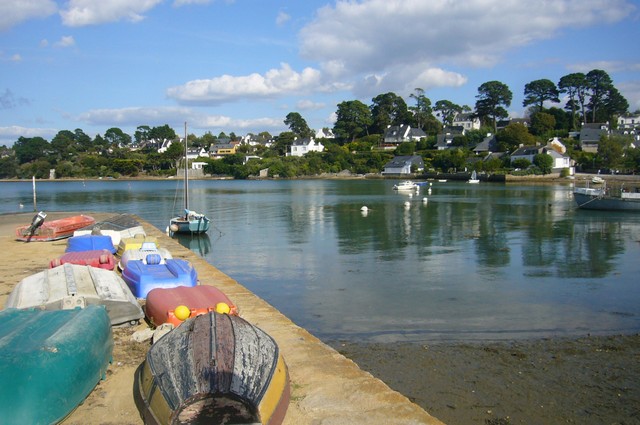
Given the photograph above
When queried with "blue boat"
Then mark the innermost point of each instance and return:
(142, 276)
(90, 243)
(50, 361)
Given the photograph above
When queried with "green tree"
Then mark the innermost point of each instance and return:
(283, 141)
(492, 98)
(544, 162)
(298, 125)
(513, 136)
(615, 105)
(575, 86)
(422, 110)
(599, 84)
(611, 150)
(116, 137)
(539, 91)
(63, 144)
(542, 124)
(388, 109)
(447, 111)
(162, 133)
(353, 119)
(31, 149)
(142, 134)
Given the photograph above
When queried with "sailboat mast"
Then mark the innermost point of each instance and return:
(186, 170)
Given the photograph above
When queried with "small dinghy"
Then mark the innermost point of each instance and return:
(43, 231)
(135, 243)
(70, 285)
(142, 277)
(90, 243)
(141, 254)
(213, 369)
(100, 258)
(117, 227)
(176, 305)
(50, 361)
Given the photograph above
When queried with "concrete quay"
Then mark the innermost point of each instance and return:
(326, 387)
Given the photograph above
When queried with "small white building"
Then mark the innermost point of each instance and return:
(301, 147)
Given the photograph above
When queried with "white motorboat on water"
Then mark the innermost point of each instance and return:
(405, 185)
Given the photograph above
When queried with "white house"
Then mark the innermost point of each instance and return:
(301, 147)
(467, 121)
(401, 165)
(395, 134)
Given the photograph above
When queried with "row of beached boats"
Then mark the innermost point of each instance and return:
(205, 364)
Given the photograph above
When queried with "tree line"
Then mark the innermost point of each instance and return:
(358, 130)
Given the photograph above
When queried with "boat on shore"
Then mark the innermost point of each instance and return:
(142, 277)
(405, 185)
(141, 254)
(50, 361)
(41, 230)
(474, 178)
(607, 198)
(214, 368)
(70, 285)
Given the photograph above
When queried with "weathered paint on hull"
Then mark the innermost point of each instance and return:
(54, 230)
(50, 361)
(211, 367)
(589, 202)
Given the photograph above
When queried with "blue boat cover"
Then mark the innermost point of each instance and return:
(90, 243)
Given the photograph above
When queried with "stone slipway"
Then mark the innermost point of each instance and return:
(327, 388)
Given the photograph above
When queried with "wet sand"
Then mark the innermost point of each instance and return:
(588, 380)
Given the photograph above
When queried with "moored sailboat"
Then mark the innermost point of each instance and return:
(190, 221)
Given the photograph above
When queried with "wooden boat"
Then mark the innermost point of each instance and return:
(135, 243)
(142, 277)
(141, 254)
(71, 285)
(162, 303)
(100, 258)
(190, 221)
(50, 361)
(90, 243)
(605, 198)
(42, 230)
(214, 368)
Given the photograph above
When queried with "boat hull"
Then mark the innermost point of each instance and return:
(50, 361)
(54, 230)
(595, 202)
(142, 277)
(161, 303)
(135, 242)
(69, 286)
(100, 258)
(142, 253)
(90, 243)
(193, 225)
(229, 372)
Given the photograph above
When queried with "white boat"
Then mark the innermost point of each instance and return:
(190, 221)
(405, 185)
(604, 198)
(142, 253)
(597, 180)
(70, 285)
(474, 178)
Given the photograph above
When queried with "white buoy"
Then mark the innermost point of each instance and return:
(425, 200)
(407, 204)
(429, 191)
(364, 208)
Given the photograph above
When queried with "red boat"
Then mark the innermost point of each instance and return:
(162, 303)
(42, 230)
(100, 258)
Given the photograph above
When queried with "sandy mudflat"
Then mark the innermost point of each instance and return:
(589, 380)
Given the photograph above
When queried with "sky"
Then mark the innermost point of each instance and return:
(242, 65)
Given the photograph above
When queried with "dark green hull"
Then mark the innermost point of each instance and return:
(50, 361)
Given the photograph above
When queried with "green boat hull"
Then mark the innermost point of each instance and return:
(50, 361)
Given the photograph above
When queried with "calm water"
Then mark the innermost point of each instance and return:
(486, 261)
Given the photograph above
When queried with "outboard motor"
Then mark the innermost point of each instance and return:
(37, 221)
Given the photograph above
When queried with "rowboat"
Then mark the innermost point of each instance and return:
(42, 230)
(50, 361)
(117, 227)
(70, 285)
(169, 305)
(100, 258)
(135, 242)
(214, 368)
(142, 277)
(90, 243)
(141, 254)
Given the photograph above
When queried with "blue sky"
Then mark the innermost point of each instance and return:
(242, 65)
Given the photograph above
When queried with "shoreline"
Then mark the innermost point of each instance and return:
(581, 380)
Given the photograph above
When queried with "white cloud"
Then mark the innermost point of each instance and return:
(91, 12)
(16, 57)
(65, 41)
(134, 116)
(351, 40)
(227, 88)
(8, 135)
(306, 105)
(282, 18)
(15, 12)
(178, 3)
